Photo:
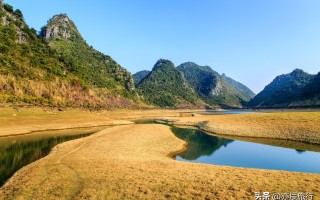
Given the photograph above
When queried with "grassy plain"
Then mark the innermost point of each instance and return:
(131, 162)
(296, 126)
(26, 120)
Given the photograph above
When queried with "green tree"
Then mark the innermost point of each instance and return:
(18, 13)
(8, 8)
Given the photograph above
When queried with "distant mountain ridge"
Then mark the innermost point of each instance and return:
(165, 86)
(312, 89)
(296, 89)
(248, 94)
(58, 68)
(139, 76)
(214, 89)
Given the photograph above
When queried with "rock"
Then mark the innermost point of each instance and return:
(60, 27)
(5, 21)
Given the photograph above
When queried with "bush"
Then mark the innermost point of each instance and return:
(8, 8)
(18, 13)
(4, 48)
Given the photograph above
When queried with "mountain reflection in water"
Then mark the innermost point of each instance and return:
(199, 143)
(19, 151)
(248, 152)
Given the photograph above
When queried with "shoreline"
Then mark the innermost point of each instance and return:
(31, 120)
(67, 128)
(135, 161)
(196, 127)
(289, 126)
(131, 162)
(181, 149)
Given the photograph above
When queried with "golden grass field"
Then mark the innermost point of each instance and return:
(297, 126)
(26, 120)
(132, 161)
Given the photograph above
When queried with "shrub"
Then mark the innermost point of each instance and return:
(8, 8)
(3, 48)
(18, 13)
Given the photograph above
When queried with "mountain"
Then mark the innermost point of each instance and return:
(139, 76)
(312, 89)
(310, 94)
(57, 67)
(284, 90)
(166, 86)
(214, 89)
(244, 90)
(92, 66)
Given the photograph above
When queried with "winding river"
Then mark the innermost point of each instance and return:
(19, 151)
(253, 153)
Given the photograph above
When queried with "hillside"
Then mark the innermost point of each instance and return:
(310, 94)
(244, 90)
(139, 76)
(166, 86)
(312, 89)
(59, 69)
(214, 89)
(284, 90)
(92, 66)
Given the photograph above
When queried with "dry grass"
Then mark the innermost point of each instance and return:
(42, 92)
(130, 162)
(26, 120)
(297, 126)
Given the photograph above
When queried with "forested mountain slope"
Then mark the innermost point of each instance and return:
(166, 86)
(57, 68)
(288, 90)
(214, 89)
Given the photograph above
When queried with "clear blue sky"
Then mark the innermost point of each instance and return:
(251, 41)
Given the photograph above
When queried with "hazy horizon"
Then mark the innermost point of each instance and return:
(250, 41)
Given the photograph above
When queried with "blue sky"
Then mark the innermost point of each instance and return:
(251, 41)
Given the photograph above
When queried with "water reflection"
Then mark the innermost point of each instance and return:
(19, 151)
(251, 153)
(199, 143)
(300, 151)
(226, 112)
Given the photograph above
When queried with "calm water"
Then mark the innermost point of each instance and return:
(226, 112)
(203, 148)
(19, 151)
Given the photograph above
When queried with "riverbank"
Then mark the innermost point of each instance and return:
(27, 120)
(131, 162)
(296, 126)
